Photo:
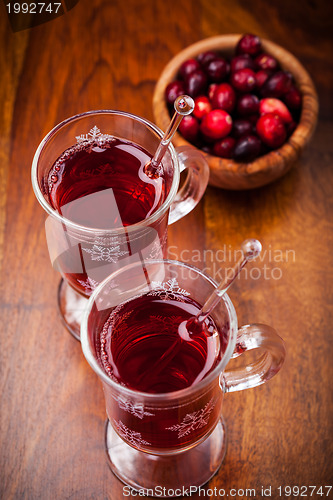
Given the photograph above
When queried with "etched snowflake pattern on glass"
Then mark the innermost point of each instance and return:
(133, 437)
(156, 251)
(88, 284)
(105, 254)
(94, 135)
(136, 409)
(169, 290)
(193, 421)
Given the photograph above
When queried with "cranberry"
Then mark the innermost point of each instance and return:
(188, 67)
(211, 90)
(277, 85)
(174, 90)
(217, 69)
(265, 61)
(225, 147)
(196, 83)
(216, 124)
(261, 76)
(205, 57)
(224, 97)
(273, 105)
(240, 62)
(243, 80)
(248, 104)
(271, 130)
(293, 98)
(202, 106)
(249, 44)
(291, 127)
(208, 148)
(247, 148)
(223, 87)
(189, 128)
(242, 127)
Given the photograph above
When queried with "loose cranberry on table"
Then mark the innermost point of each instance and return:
(271, 130)
(277, 107)
(247, 148)
(224, 97)
(248, 104)
(243, 80)
(196, 83)
(174, 90)
(202, 106)
(188, 67)
(249, 44)
(189, 128)
(216, 124)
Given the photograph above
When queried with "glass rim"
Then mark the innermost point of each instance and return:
(113, 231)
(166, 396)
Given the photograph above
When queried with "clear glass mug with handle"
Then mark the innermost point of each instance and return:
(172, 439)
(85, 255)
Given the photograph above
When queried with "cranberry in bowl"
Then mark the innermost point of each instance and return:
(255, 110)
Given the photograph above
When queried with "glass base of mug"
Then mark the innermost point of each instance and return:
(71, 307)
(171, 473)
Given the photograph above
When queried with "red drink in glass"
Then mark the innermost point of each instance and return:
(143, 347)
(133, 337)
(102, 185)
(104, 212)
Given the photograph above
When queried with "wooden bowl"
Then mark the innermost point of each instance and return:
(226, 173)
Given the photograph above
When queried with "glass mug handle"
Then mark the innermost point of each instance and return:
(195, 183)
(269, 363)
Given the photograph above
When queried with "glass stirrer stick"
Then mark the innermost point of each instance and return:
(251, 248)
(184, 105)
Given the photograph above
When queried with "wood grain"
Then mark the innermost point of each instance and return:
(106, 54)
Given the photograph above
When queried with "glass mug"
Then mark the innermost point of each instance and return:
(172, 439)
(85, 255)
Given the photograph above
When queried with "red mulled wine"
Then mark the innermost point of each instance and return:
(102, 185)
(144, 345)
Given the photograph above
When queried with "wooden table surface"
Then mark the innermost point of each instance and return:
(109, 54)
